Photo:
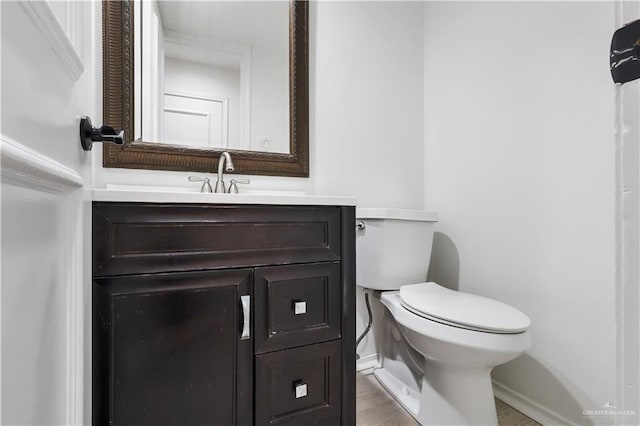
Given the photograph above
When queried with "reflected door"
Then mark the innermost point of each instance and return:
(195, 121)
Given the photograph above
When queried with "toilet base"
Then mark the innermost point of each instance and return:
(454, 396)
(407, 397)
(448, 397)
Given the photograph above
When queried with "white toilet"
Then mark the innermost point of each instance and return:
(437, 346)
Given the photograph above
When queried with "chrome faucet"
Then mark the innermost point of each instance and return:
(229, 168)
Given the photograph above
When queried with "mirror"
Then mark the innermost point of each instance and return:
(188, 80)
(212, 74)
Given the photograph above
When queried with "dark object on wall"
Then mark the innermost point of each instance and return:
(624, 58)
(90, 134)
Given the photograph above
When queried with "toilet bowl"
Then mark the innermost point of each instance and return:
(437, 346)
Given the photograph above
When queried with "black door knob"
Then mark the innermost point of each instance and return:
(90, 134)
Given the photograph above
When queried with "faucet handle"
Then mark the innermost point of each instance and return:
(206, 186)
(233, 188)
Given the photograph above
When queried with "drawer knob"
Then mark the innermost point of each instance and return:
(301, 390)
(299, 308)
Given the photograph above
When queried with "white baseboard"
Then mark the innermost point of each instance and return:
(528, 407)
(366, 362)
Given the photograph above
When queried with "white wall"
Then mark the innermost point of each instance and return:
(366, 101)
(519, 125)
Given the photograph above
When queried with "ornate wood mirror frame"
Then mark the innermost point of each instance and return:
(118, 106)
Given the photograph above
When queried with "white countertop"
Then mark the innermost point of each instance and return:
(149, 196)
(378, 213)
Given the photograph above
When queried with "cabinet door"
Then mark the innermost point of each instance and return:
(167, 350)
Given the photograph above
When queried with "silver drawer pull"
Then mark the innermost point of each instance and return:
(301, 390)
(246, 313)
(299, 308)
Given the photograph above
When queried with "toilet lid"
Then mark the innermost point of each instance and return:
(462, 309)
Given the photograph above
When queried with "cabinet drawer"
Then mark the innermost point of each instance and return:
(299, 386)
(297, 305)
(144, 238)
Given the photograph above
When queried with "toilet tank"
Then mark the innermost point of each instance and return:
(393, 248)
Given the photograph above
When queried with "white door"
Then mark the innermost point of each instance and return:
(51, 53)
(195, 121)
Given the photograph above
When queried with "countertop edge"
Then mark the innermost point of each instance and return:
(378, 213)
(110, 195)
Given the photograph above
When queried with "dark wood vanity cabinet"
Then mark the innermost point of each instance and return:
(168, 321)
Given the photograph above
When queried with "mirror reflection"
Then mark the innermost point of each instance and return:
(212, 74)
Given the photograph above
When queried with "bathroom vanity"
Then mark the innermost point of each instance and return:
(219, 309)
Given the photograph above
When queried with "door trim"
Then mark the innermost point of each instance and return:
(45, 20)
(24, 167)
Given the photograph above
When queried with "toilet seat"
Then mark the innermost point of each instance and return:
(434, 302)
